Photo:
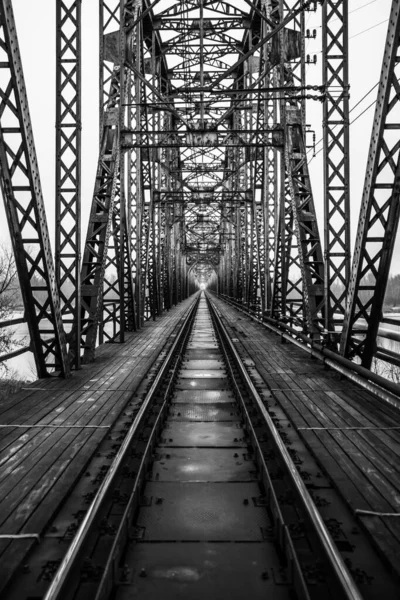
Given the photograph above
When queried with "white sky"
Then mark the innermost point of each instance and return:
(35, 25)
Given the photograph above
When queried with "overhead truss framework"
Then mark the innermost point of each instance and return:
(202, 177)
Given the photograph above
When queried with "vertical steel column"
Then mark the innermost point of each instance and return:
(109, 27)
(306, 227)
(135, 190)
(380, 210)
(110, 316)
(336, 155)
(118, 298)
(100, 219)
(24, 206)
(68, 166)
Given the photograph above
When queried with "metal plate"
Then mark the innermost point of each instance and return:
(203, 364)
(202, 465)
(199, 571)
(203, 396)
(203, 384)
(202, 345)
(202, 354)
(203, 332)
(186, 373)
(203, 512)
(200, 435)
(203, 412)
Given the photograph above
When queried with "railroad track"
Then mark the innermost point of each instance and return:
(203, 498)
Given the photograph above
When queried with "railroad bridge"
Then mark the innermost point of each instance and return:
(216, 410)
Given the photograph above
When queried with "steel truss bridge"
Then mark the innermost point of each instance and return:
(202, 177)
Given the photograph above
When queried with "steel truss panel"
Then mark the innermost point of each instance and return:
(22, 193)
(117, 302)
(109, 49)
(336, 154)
(380, 210)
(306, 229)
(97, 238)
(68, 165)
(287, 297)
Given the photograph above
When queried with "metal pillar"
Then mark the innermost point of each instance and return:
(95, 251)
(336, 155)
(68, 166)
(380, 210)
(23, 199)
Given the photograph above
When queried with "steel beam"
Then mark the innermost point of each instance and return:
(98, 234)
(335, 71)
(68, 166)
(380, 210)
(24, 205)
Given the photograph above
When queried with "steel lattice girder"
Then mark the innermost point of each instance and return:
(118, 307)
(287, 297)
(95, 251)
(336, 154)
(109, 49)
(68, 165)
(22, 193)
(306, 228)
(380, 210)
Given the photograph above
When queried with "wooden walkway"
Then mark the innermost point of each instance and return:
(51, 429)
(349, 430)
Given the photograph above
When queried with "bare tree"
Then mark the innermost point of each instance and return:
(10, 299)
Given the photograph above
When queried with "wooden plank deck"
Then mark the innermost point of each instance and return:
(60, 426)
(363, 464)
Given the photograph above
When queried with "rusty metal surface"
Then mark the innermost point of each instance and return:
(199, 571)
(195, 374)
(203, 364)
(199, 412)
(211, 383)
(203, 396)
(201, 435)
(203, 465)
(203, 512)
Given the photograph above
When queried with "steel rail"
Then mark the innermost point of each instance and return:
(105, 586)
(281, 530)
(372, 382)
(67, 565)
(343, 577)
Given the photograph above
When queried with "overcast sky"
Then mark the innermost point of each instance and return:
(35, 25)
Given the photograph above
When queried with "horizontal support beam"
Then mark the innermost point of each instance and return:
(203, 138)
(11, 355)
(216, 146)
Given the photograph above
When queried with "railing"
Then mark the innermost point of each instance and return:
(385, 389)
(14, 353)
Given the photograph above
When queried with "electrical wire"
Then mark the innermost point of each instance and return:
(361, 114)
(360, 7)
(350, 12)
(350, 111)
(369, 29)
(363, 98)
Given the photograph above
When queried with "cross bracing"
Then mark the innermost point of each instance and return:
(202, 177)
